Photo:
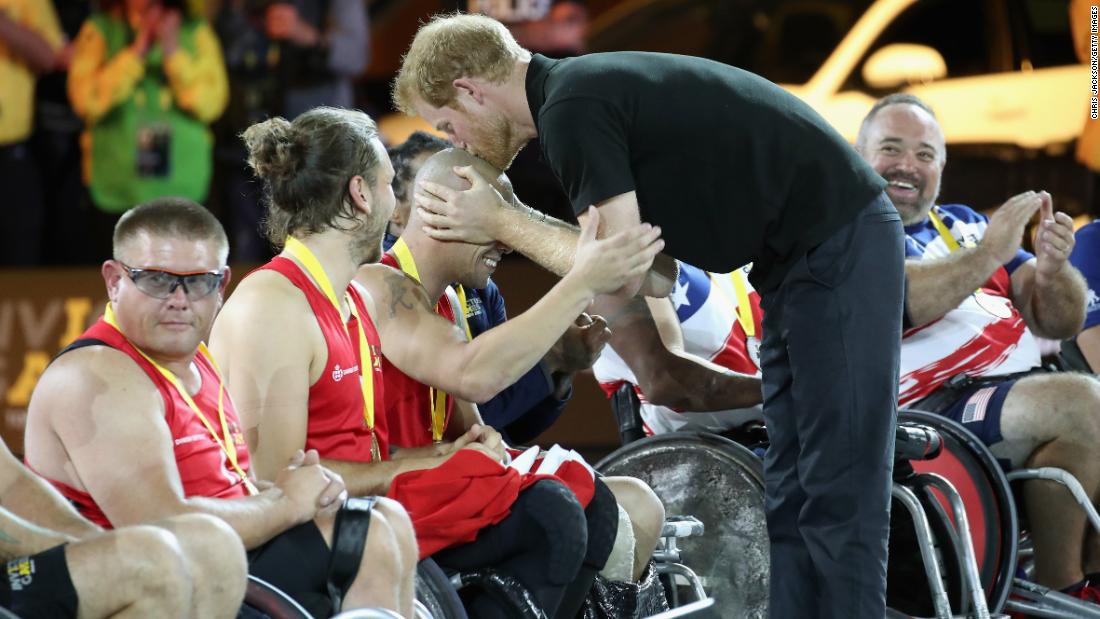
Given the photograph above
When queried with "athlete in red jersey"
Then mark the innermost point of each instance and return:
(418, 412)
(328, 230)
(139, 427)
(59, 564)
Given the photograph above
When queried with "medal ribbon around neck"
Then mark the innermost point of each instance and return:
(945, 234)
(438, 396)
(743, 307)
(225, 442)
(952, 245)
(309, 261)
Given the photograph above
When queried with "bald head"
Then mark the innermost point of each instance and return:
(439, 168)
(466, 263)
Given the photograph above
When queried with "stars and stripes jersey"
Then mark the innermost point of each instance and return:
(984, 336)
(706, 305)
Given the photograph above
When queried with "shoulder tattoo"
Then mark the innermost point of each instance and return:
(402, 296)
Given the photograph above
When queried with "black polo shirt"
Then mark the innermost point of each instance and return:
(733, 168)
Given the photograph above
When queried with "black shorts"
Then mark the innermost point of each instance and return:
(296, 562)
(39, 586)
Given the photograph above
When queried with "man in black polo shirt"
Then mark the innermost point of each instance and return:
(733, 169)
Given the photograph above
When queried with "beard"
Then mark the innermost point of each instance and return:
(912, 209)
(497, 142)
(366, 247)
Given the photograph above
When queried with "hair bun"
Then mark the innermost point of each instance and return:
(276, 151)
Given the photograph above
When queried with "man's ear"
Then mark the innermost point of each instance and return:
(471, 88)
(360, 194)
(225, 280)
(112, 276)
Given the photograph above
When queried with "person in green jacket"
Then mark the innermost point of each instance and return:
(147, 77)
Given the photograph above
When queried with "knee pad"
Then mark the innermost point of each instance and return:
(620, 565)
(602, 519)
(559, 515)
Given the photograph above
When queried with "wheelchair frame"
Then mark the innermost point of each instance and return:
(1033, 599)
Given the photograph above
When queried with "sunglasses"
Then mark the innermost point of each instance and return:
(161, 284)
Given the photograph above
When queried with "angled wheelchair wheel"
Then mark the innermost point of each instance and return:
(436, 592)
(976, 475)
(908, 592)
(271, 602)
(722, 484)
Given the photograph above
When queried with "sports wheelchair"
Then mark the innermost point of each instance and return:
(955, 534)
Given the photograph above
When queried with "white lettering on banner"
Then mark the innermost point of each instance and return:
(1094, 48)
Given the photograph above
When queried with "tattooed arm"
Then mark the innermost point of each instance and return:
(434, 351)
(667, 375)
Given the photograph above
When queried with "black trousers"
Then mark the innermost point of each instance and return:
(547, 542)
(832, 333)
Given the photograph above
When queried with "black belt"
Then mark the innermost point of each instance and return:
(349, 534)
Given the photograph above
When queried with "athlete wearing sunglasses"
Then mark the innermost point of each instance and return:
(134, 424)
(162, 283)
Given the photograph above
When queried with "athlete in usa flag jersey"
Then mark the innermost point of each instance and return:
(974, 299)
(710, 328)
(984, 336)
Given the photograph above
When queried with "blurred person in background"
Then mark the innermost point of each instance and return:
(282, 58)
(56, 147)
(552, 27)
(147, 78)
(30, 39)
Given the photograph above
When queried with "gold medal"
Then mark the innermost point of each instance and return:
(375, 451)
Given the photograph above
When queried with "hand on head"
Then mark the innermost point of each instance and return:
(468, 215)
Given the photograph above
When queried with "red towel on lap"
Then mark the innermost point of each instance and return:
(452, 502)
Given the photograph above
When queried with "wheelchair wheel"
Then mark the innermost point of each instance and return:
(435, 591)
(268, 601)
(722, 484)
(974, 471)
(908, 593)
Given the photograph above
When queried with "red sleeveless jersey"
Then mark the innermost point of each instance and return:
(337, 428)
(204, 468)
(450, 504)
(408, 401)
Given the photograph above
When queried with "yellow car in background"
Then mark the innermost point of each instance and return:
(1001, 75)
